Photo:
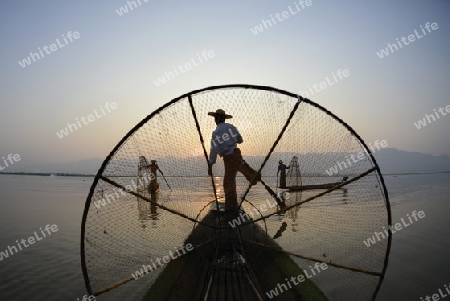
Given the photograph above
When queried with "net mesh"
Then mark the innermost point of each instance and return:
(294, 175)
(135, 244)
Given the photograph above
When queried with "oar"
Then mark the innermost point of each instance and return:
(276, 185)
(274, 195)
(164, 179)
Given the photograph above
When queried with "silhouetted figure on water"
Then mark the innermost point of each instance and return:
(154, 185)
(224, 143)
(282, 169)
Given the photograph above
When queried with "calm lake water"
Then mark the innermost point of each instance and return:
(50, 269)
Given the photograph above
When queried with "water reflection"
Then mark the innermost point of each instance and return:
(345, 195)
(148, 210)
(280, 231)
(292, 198)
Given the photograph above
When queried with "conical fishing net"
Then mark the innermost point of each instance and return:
(323, 238)
(294, 174)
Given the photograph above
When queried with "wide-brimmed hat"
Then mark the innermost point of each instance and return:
(153, 161)
(221, 113)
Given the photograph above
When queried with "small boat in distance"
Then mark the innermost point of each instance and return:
(317, 186)
(295, 179)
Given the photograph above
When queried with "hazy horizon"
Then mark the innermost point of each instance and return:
(390, 160)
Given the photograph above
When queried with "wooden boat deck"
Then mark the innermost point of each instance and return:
(233, 265)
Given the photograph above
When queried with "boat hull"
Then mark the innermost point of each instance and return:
(213, 271)
(312, 187)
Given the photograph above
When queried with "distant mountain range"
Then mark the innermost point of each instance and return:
(390, 160)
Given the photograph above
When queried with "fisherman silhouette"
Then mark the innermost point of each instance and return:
(282, 168)
(154, 186)
(224, 143)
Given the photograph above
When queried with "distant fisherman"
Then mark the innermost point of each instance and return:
(282, 168)
(154, 186)
(223, 143)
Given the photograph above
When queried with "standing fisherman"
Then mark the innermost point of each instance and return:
(154, 186)
(223, 143)
(282, 167)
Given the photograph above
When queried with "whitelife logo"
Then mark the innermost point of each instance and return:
(398, 226)
(243, 216)
(411, 38)
(430, 118)
(162, 261)
(341, 74)
(437, 297)
(281, 287)
(355, 158)
(11, 158)
(53, 47)
(9, 251)
(90, 118)
(109, 198)
(124, 9)
(169, 75)
(266, 24)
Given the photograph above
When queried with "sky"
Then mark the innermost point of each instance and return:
(116, 57)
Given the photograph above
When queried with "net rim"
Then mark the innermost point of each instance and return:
(222, 87)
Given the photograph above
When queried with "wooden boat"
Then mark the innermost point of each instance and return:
(230, 267)
(317, 186)
(311, 187)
